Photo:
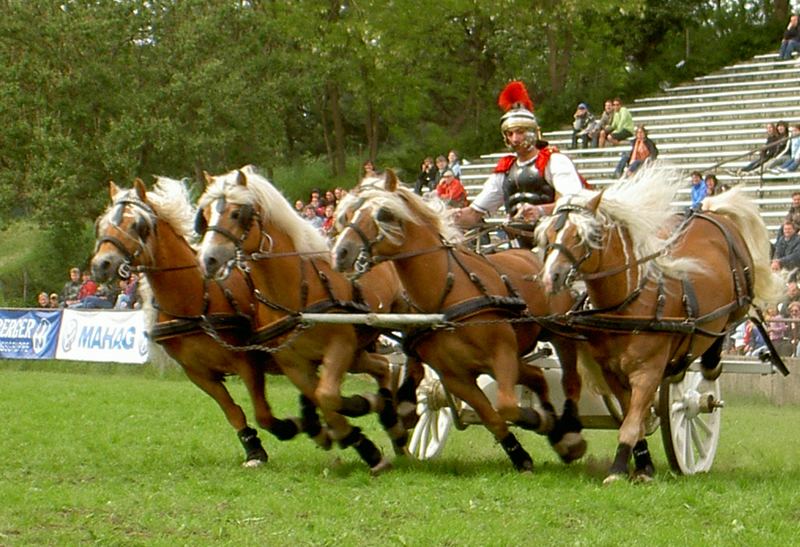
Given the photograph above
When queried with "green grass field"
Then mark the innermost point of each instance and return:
(115, 456)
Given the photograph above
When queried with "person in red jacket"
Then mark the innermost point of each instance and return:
(451, 191)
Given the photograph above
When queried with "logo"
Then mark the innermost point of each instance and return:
(69, 334)
(39, 338)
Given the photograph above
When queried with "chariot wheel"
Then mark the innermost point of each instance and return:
(691, 412)
(435, 418)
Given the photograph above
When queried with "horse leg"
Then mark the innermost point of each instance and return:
(710, 361)
(255, 454)
(407, 392)
(566, 438)
(378, 366)
(541, 422)
(305, 379)
(284, 430)
(643, 388)
(468, 390)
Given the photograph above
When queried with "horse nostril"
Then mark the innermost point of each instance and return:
(211, 265)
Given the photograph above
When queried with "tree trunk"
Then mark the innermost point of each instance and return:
(338, 155)
(780, 10)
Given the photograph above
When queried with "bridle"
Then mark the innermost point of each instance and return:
(129, 258)
(561, 215)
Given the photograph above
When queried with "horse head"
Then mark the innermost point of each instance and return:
(569, 238)
(123, 233)
(370, 222)
(225, 218)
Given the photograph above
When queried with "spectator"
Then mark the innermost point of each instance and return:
(785, 144)
(368, 170)
(126, 300)
(42, 301)
(792, 163)
(768, 151)
(792, 215)
(792, 296)
(330, 198)
(441, 167)
(451, 191)
(793, 332)
(96, 296)
(339, 193)
(54, 303)
(791, 39)
(298, 206)
(454, 163)
(69, 294)
(582, 122)
(621, 125)
(310, 216)
(712, 185)
(328, 220)
(426, 177)
(604, 123)
(787, 249)
(699, 190)
(777, 329)
(642, 150)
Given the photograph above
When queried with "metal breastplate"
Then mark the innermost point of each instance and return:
(524, 184)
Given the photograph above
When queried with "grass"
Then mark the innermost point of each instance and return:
(121, 457)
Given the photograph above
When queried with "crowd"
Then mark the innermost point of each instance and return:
(318, 210)
(81, 291)
(442, 176)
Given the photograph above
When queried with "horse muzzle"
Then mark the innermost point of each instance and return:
(107, 265)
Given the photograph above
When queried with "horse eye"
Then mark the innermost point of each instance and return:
(384, 215)
(235, 214)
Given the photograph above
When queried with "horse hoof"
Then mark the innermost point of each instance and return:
(381, 467)
(642, 478)
(526, 467)
(571, 447)
(253, 463)
(711, 374)
(615, 477)
(323, 439)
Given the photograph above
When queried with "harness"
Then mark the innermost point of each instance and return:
(292, 318)
(608, 318)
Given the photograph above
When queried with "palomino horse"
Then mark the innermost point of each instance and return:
(664, 288)
(478, 295)
(248, 222)
(147, 231)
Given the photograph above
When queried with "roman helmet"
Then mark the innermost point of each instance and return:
(518, 107)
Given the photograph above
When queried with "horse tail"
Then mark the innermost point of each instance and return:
(768, 286)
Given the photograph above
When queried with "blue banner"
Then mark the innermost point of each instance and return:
(29, 334)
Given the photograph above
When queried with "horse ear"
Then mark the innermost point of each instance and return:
(141, 190)
(594, 203)
(391, 182)
(209, 179)
(241, 179)
(112, 189)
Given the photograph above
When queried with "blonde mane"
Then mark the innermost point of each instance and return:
(273, 207)
(404, 204)
(170, 201)
(642, 205)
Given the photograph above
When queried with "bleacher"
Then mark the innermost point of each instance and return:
(715, 119)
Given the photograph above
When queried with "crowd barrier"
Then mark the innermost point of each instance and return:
(115, 336)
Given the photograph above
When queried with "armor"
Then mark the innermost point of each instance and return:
(524, 184)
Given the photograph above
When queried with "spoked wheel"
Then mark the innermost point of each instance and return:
(691, 414)
(435, 418)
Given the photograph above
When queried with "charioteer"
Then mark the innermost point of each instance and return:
(529, 181)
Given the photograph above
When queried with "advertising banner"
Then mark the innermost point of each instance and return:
(103, 335)
(28, 334)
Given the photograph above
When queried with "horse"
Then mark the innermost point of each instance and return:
(480, 298)
(196, 320)
(663, 288)
(248, 223)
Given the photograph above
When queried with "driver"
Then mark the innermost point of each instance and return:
(529, 182)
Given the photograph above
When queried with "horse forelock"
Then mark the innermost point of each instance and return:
(272, 205)
(112, 215)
